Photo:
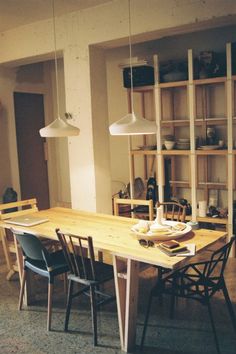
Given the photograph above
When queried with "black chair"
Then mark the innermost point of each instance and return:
(198, 281)
(40, 261)
(86, 271)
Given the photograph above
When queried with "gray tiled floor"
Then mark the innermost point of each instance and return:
(190, 332)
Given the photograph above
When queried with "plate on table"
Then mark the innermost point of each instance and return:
(209, 147)
(176, 230)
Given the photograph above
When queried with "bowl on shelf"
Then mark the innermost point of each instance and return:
(169, 145)
(182, 146)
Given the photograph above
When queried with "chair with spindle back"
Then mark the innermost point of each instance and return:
(86, 271)
(23, 207)
(173, 211)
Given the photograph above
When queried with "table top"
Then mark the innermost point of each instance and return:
(112, 234)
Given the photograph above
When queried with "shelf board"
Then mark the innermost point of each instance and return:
(223, 221)
(173, 84)
(175, 152)
(212, 80)
(181, 184)
(143, 152)
(177, 122)
(212, 185)
(142, 88)
(211, 121)
(212, 152)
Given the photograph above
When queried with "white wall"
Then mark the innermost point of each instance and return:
(105, 23)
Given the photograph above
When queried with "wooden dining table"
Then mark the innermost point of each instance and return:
(113, 235)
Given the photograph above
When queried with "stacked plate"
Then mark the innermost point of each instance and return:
(183, 144)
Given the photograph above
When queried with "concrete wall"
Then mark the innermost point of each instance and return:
(103, 26)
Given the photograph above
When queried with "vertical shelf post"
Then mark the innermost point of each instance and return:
(192, 114)
(229, 95)
(157, 99)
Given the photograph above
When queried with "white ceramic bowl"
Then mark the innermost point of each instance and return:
(169, 144)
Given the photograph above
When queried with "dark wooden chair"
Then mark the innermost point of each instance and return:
(86, 271)
(37, 259)
(198, 281)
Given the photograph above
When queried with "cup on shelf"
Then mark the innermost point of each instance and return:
(202, 208)
(221, 143)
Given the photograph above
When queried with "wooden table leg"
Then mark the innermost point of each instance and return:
(126, 283)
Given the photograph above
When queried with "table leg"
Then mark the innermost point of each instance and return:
(126, 283)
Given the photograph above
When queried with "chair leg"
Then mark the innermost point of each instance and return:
(213, 326)
(146, 321)
(94, 315)
(69, 302)
(229, 306)
(22, 288)
(50, 292)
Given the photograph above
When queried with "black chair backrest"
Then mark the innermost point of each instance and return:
(75, 250)
(31, 246)
(214, 269)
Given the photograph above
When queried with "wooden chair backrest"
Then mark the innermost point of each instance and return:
(25, 207)
(79, 264)
(133, 203)
(173, 211)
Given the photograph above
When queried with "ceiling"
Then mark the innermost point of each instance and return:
(14, 13)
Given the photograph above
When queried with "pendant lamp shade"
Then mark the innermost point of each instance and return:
(131, 124)
(59, 127)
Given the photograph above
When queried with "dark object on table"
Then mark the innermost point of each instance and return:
(197, 281)
(142, 76)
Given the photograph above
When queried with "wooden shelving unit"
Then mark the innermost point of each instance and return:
(197, 109)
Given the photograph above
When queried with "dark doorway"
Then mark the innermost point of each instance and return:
(29, 117)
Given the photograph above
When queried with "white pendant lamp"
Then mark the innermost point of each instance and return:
(132, 124)
(59, 127)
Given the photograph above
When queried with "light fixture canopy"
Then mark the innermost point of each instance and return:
(132, 124)
(59, 127)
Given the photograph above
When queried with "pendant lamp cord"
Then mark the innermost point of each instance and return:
(55, 56)
(130, 63)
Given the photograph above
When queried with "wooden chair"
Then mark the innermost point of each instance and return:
(173, 211)
(133, 205)
(85, 271)
(197, 281)
(40, 261)
(7, 211)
